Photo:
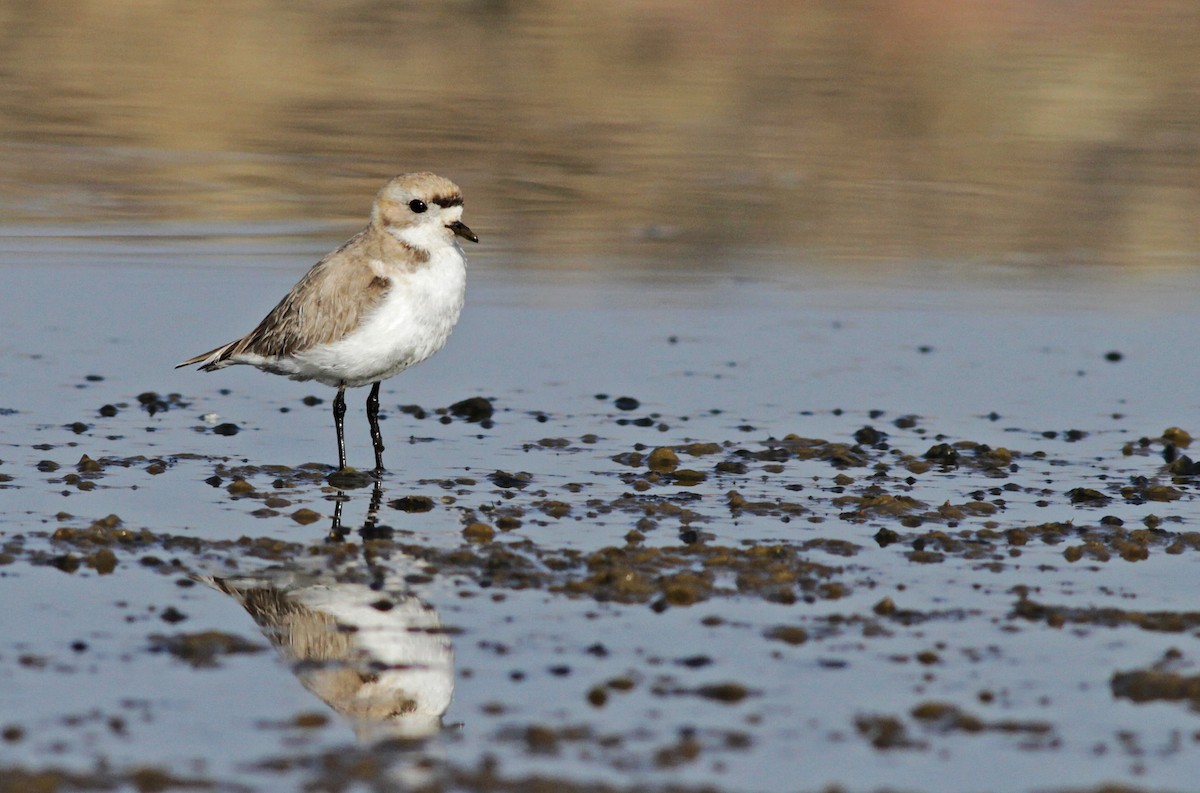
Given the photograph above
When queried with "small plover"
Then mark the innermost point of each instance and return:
(385, 300)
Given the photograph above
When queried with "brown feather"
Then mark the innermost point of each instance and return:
(327, 304)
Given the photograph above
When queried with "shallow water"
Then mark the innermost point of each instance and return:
(557, 670)
(837, 355)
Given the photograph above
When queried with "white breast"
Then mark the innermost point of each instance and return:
(412, 323)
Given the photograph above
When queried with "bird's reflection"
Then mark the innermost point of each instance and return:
(355, 635)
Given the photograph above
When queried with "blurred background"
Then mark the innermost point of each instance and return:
(686, 132)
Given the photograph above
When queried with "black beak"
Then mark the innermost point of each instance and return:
(460, 230)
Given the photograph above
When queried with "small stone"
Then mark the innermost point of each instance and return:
(68, 562)
(942, 453)
(540, 739)
(509, 481)
(103, 561)
(350, 479)
(508, 523)
(412, 504)
(728, 693)
(663, 460)
(885, 607)
(87, 465)
(473, 409)
(869, 436)
(886, 537)
(201, 650)
(1086, 495)
(689, 477)
(479, 532)
(309, 721)
(1177, 437)
(788, 634)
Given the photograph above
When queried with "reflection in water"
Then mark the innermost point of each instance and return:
(355, 637)
(371, 530)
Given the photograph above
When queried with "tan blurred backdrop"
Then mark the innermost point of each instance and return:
(1046, 131)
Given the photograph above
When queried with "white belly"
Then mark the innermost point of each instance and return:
(412, 323)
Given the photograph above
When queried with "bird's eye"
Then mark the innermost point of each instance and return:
(417, 205)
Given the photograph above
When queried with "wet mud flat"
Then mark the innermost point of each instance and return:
(691, 533)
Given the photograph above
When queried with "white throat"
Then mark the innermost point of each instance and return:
(425, 237)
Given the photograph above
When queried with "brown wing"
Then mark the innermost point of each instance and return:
(328, 303)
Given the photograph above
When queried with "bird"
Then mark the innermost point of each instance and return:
(386, 299)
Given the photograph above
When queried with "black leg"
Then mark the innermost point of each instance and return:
(339, 415)
(373, 418)
(371, 529)
(336, 532)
